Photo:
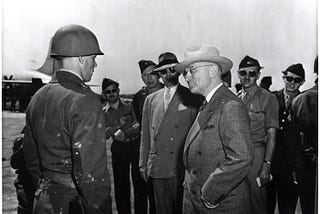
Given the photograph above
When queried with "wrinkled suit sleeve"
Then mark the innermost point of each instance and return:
(145, 133)
(87, 127)
(237, 144)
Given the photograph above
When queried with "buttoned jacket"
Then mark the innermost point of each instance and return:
(286, 152)
(218, 154)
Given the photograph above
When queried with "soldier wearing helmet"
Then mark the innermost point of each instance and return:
(64, 143)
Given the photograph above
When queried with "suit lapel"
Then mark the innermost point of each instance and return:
(211, 107)
(194, 130)
(158, 110)
(171, 110)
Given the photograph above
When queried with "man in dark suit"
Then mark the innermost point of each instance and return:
(64, 143)
(218, 151)
(152, 84)
(283, 187)
(305, 113)
(167, 116)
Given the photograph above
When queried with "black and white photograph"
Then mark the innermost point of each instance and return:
(159, 107)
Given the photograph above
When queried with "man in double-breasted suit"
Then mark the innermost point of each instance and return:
(218, 151)
(167, 116)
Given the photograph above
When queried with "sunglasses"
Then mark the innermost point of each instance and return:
(164, 71)
(292, 79)
(192, 69)
(244, 73)
(109, 91)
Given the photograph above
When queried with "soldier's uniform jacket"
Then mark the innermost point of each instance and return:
(65, 136)
(286, 152)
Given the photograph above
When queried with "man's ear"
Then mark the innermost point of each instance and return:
(214, 70)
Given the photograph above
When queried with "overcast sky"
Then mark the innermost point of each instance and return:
(276, 32)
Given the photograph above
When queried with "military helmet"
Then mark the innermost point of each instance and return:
(74, 40)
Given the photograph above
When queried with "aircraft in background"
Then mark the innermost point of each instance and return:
(18, 88)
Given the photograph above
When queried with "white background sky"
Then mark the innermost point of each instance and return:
(276, 32)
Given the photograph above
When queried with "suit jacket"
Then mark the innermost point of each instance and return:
(218, 154)
(305, 113)
(286, 152)
(163, 133)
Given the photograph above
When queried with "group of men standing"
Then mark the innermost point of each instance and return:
(193, 151)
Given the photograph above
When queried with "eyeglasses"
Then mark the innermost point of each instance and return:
(244, 73)
(192, 69)
(109, 91)
(164, 71)
(292, 79)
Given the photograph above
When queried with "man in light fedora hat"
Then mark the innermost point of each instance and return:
(166, 118)
(218, 151)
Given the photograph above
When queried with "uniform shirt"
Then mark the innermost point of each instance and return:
(263, 110)
(114, 113)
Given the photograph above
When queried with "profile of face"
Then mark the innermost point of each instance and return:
(198, 76)
(292, 82)
(149, 79)
(111, 93)
(248, 76)
(87, 65)
(169, 76)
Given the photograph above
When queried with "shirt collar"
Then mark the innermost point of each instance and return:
(250, 91)
(212, 92)
(172, 90)
(288, 95)
(112, 105)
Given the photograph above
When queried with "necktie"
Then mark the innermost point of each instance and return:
(287, 100)
(204, 103)
(244, 96)
(167, 96)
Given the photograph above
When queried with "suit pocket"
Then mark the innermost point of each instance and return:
(208, 126)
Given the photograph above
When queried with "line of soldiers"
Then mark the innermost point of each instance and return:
(200, 149)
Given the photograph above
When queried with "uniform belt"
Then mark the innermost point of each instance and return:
(128, 140)
(56, 178)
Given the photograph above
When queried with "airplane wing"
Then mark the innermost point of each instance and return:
(17, 81)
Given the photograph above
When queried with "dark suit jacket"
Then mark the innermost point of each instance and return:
(218, 154)
(164, 133)
(286, 152)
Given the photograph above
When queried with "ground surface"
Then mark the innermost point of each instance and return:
(12, 124)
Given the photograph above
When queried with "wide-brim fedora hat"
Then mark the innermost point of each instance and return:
(166, 60)
(204, 53)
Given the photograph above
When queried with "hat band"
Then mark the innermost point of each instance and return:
(167, 62)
